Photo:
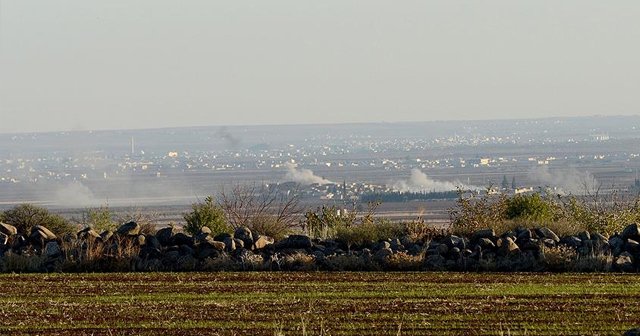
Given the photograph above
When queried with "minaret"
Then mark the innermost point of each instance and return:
(133, 148)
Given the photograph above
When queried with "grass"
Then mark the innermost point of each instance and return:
(316, 303)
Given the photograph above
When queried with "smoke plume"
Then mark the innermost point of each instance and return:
(303, 176)
(75, 194)
(571, 181)
(420, 182)
(230, 139)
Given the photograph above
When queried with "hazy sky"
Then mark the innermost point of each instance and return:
(72, 65)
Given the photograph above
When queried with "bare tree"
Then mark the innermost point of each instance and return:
(257, 206)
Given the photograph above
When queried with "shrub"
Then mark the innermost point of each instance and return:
(25, 216)
(99, 219)
(268, 225)
(369, 232)
(207, 214)
(528, 207)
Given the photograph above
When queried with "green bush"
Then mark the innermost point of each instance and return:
(369, 232)
(528, 207)
(207, 214)
(26, 216)
(99, 219)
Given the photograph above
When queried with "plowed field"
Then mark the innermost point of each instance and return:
(318, 304)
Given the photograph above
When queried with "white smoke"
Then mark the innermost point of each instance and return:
(420, 182)
(75, 194)
(303, 176)
(571, 181)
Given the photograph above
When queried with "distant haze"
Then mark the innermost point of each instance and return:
(79, 65)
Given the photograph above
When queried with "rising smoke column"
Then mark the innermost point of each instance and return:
(420, 182)
(303, 176)
(570, 181)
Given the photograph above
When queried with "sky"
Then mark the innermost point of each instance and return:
(123, 64)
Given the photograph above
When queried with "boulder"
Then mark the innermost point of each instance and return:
(40, 235)
(548, 234)
(205, 231)
(48, 234)
(222, 236)
(483, 234)
(506, 246)
(486, 243)
(584, 235)
(181, 239)
(88, 233)
(617, 244)
(229, 243)
(140, 240)
(632, 231)
(244, 234)
(571, 241)
(381, 245)
(129, 229)
(106, 235)
(153, 242)
(435, 262)
(8, 229)
(382, 255)
(454, 241)
(262, 242)
(52, 249)
(624, 262)
(295, 242)
(632, 332)
(239, 243)
(632, 247)
(165, 235)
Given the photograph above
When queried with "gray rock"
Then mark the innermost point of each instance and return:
(230, 244)
(442, 249)
(262, 242)
(244, 234)
(598, 237)
(129, 229)
(381, 245)
(8, 229)
(52, 249)
(165, 235)
(483, 234)
(435, 262)
(153, 242)
(140, 240)
(382, 254)
(584, 235)
(617, 244)
(295, 242)
(453, 241)
(105, 236)
(632, 231)
(624, 262)
(48, 234)
(548, 234)
(239, 243)
(486, 243)
(181, 238)
(571, 241)
(632, 247)
(632, 332)
(506, 246)
(205, 231)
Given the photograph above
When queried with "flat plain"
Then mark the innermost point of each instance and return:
(318, 303)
